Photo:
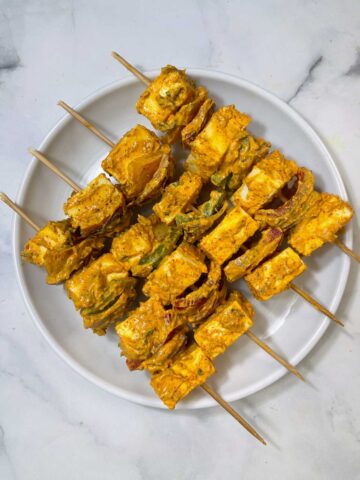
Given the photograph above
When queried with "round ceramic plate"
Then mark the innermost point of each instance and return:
(286, 322)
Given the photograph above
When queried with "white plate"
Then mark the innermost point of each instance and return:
(286, 322)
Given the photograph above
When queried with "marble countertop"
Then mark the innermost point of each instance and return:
(54, 424)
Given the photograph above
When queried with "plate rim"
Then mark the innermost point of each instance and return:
(203, 402)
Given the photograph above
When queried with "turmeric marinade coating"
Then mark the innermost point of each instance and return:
(102, 291)
(171, 101)
(135, 159)
(189, 369)
(216, 141)
(263, 182)
(96, 205)
(226, 239)
(146, 330)
(229, 321)
(178, 197)
(269, 241)
(175, 274)
(275, 275)
(326, 216)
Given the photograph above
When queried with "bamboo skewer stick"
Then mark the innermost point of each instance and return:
(315, 304)
(18, 210)
(143, 78)
(205, 387)
(55, 169)
(347, 250)
(273, 354)
(86, 123)
(232, 412)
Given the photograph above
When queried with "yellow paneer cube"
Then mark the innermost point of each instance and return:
(226, 239)
(135, 159)
(145, 330)
(53, 236)
(264, 181)
(229, 321)
(208, 149)
(178, 196)
(327, 215)
(249, 260)
(94, 206)
(189, 369)
(275, 275)
(175, 274)
(171, 100)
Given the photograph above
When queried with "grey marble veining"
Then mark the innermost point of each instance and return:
(54, 424)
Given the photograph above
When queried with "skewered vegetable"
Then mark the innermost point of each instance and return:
(177, 197)
(275, 275)
(193, 128)
(226, 239)
(264, 181)
(175, 274)
(195, 224)
(269, 241)
(94, 206)
(326, 216)
(135, 159)
(217, 141)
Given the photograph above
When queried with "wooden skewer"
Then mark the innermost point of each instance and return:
(347, 250)
(18, 210)
(86, 123)
(143, 78)
(209, 390)
(315, 304)
(55, 169)
(273, 354)
(232, 412)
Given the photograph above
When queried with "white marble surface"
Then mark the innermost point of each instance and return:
(53, 424)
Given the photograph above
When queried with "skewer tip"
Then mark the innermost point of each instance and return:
(31, 150)
(3, 197)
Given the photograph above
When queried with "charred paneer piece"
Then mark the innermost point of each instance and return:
(176, 272)
(269, 241)
(226, 239)
(196, 223)
(53, 236)
(193, 128)
(178, 197)
(263, 182)
(239, 160)
(189, 369)
(229, 321)
(327, 215)
(102, 291)
(172, 100)
(275, 275)
(146, 330)
(293, 209)
(222, 132)
(135, 159)
(95, 206)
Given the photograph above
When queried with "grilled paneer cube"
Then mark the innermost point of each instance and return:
(217, 139)
(192, 129)
(275, 275)
(53, 236)
(326, 216)
(178, 197)
(239, 160)
(135, 159)
(229, 321)
(226, 239)
(269, 241)
(175, 274)
(145, 330)
(292, 210)
(102, 291)
(94, 206)
(171, 100)
(189, 369)
(264, 181)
